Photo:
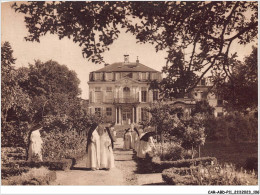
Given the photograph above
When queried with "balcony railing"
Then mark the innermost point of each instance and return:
(126, 100)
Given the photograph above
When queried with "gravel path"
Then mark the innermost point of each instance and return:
(123, 174)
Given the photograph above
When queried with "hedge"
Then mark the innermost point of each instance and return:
(13, 171)
(179, 176)
(159, 166)
(31, 179)
(64, 164)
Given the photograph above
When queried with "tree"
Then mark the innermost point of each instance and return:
(202, 107)
(53, 88)
(240, 89)
(14, 102)
(208, 29)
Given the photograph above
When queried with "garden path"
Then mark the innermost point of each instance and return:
(123, 174)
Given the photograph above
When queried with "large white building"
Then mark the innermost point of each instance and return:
(120, 92)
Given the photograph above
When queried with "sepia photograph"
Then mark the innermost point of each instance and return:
(130, 93)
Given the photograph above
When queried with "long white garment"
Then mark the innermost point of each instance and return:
(127, 141)
(35, 147)
(139, 146)
(93, 157)
(145, 147)
(135, 139)
(106, 152)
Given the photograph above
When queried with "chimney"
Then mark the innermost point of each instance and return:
(126, 58)
(137, 60)
(106, 64)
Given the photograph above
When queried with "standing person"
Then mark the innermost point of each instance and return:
(35, 145)
(146, 144)
(111, 159)
(93, 148)
(103, 147)
(127, 140)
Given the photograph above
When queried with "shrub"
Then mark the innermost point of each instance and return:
(251, 163)
(231, 127)
(35, 176)
(64, 164)
(170, 151)
(207, 175)
(12, 171)
(223, 175)
(179, 176)
(159, 165)
(58, 145)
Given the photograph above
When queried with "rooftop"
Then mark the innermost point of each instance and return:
(126, 67)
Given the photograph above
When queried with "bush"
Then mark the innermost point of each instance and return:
(231, 127)
(35, 176)
(251, 163)
(170, 151)
(58, 145)
(207, 175)
(223, 175)
(159, 165)
(12, 171)
(64, 164)
(9, 154)
(179, 176)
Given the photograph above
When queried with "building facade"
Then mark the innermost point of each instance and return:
(120, 91)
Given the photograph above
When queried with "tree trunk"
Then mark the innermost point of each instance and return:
(192, 152)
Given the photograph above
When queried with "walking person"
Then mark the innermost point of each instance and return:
(127, 140)
(110, 143)
(146, 145)
(93, 148)
(35, 145)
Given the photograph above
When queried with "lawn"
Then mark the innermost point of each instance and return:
(235, 153)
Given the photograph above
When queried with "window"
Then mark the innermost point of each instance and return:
(98, 111)
(203, 82)
(117, 76)
(155, 95)
(143, 114)
(97, 76)
(98, 96)
(143, 76)
(97, 88)
(219, 114)
(109, 111)
(143, 94)
(90, 97)
(109, 76)
(127, 74)
(109, 89)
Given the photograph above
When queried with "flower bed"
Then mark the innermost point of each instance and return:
(64, 164)
(208, 175)
(179, 176)
(13, 171)
(35, 176)
(159, 166)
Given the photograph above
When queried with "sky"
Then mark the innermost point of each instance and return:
(67, 53)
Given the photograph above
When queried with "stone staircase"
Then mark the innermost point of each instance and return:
(120, 130)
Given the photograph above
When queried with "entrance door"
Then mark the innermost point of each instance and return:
(127, 116)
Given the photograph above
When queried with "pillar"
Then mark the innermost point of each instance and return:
(133, 115)
(120, 117)
(116, 116)
(137, 115)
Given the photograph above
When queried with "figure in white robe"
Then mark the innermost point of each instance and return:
(136, 138)
(127, 140)
(145, 147)
(35, 146)
(93, 149)
(106, 149)
(111, 159)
